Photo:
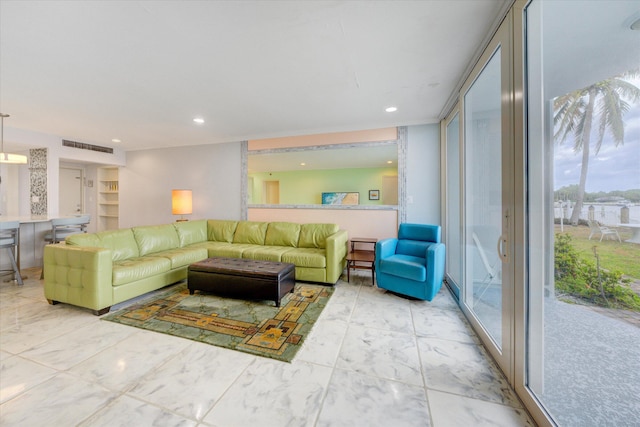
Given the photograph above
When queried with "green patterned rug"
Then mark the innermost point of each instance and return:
(256, 327)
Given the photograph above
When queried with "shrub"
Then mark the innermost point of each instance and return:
(586, 280)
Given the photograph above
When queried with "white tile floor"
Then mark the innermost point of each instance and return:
(373, 359)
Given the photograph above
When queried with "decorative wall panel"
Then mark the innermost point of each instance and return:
(38, 181)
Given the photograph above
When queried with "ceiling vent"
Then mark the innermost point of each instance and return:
(83, 146)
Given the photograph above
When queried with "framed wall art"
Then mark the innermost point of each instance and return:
(340, 198)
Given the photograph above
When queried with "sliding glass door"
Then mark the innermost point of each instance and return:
(486, 196)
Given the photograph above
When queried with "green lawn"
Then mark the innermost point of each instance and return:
(624, 257)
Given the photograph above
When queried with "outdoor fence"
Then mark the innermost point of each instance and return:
(603, 213)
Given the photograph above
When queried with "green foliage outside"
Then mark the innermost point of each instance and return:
(582, 279)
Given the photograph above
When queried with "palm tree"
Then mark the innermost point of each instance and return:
(575, 113)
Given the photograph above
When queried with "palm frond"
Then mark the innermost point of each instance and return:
(568, 110)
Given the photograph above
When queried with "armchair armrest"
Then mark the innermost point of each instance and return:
(386, 247)
(435, 263)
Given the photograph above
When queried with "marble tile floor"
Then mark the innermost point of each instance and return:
(373, 359)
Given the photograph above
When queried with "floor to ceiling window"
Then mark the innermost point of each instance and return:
(583, 161)
(547, 198)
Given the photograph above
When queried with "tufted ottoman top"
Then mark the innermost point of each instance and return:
(243, 267)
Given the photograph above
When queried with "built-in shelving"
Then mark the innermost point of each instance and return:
(108, 199)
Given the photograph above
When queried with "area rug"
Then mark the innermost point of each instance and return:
(256, 327)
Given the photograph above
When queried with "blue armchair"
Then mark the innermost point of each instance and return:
(412, 264)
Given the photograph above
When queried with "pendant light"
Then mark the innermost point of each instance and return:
(18, 159)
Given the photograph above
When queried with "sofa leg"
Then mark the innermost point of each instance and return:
(52, 302)
(102, 311)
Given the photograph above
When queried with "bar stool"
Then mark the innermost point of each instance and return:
(10, 239)
(63, 227)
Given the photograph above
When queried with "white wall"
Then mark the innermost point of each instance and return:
(211, 171)
(9, 188)
(423, 174)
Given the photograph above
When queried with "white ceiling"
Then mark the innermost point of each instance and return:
(332, 158)
(140, 71)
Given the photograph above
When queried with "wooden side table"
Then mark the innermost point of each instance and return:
(363, 259)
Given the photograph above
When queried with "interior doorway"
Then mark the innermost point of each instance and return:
(70, 194)
(390, 190)
(271, 192)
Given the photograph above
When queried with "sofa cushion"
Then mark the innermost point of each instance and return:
(282, 234)
(314, 235)
(190, 232)
(221, 230)
(132, 269)
(83, 239)
(266, 253)
(306, 257)
(229, 250)
(121, 242)
(251, 232)
(156, 238)
(183, 256)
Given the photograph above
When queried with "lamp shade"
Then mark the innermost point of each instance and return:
(18, 159)
(181, 202)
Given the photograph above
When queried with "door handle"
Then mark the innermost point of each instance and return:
(503, 242)
(503, 246)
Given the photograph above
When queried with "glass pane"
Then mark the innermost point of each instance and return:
(454, 255)
(583, 330)
(483, 198)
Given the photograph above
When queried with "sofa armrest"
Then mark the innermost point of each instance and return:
(78, 275)
(336, 245)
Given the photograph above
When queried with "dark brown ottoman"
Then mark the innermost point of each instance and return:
(242, 278)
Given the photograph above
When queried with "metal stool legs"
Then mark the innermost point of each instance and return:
(9, 239)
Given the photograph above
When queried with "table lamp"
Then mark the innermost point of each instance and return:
(181, 203)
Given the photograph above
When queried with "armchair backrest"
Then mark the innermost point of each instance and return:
(414, 239)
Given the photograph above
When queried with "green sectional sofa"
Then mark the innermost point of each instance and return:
(99, 270)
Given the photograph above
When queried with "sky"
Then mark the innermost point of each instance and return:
(614, 168)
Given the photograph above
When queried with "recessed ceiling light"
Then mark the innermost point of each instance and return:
(199, 120)
(116, 140)
(391, 109)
